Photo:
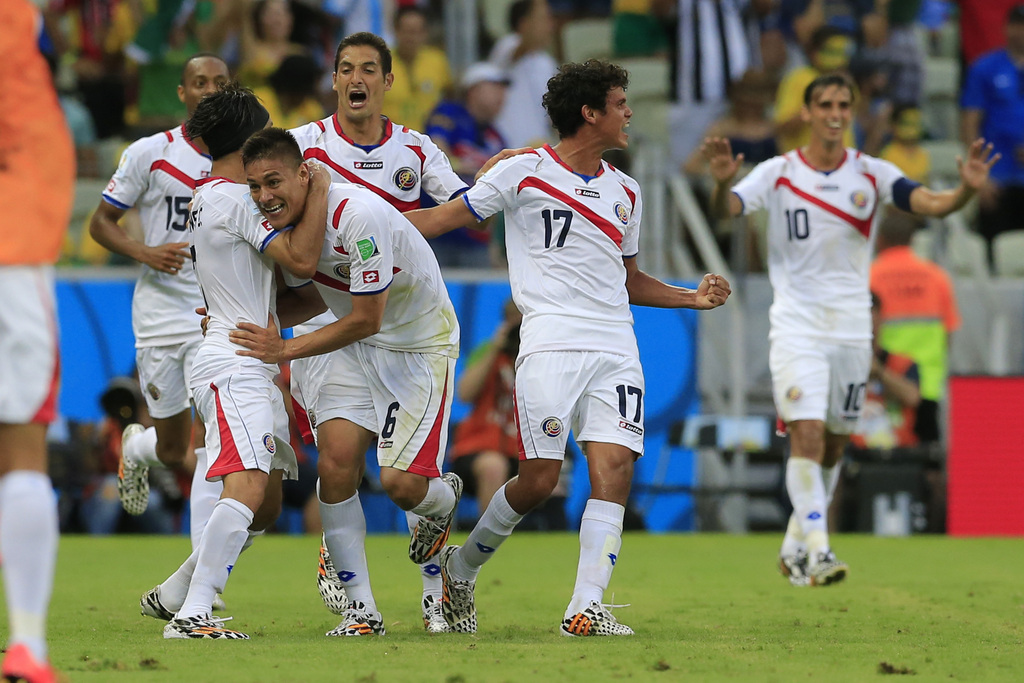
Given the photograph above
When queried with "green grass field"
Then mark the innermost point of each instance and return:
(705, 607)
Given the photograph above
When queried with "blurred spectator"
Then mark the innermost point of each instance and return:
(872, 108)
(905, 148)
(919, 313)
(993, 107)
(422, 75)
(291, 96)
(523, 54)
(266, 41)
(982, 26)
(485, 449)
(801, 19)
(891, 398)
(750, 131)
(360, 15)
(902, 51)
(712, 51)
(639, 27)
(829, 51)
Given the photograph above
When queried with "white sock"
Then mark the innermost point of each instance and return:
(173, 590)
(600, 541)
(345, 535)
(830, 475)
(807, 493)
(222, 541)
(203, 498)
(28, 544)
(494, 526)
(439, 501)
(430, 570)
(141, 449)
(793, 543)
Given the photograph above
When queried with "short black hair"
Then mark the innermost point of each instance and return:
(370, 40)
(517, 11)
(225, 118)
(404, 10)
(821, 36)
(272, 143)
(900, 109)
(200, 55)
(577, 85)
(827, 81)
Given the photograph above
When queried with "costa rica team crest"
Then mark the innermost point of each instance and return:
(552, 426)
(342, 270)
(621, 213)
(268, 443)
(859, 199)
(405, 178)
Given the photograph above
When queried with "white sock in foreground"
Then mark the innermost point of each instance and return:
(219, 548)
(810, 506)
(28, 544)
(494, 526)
(203, 498)
(345, 535)
(600, 541)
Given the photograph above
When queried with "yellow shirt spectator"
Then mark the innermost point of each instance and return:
(418, 87)
(915, 161)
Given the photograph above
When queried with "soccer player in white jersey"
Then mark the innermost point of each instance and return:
(234, 250)
(824, 203)
(358, 144)
(572, 226)
(390, 377)
(157, 175)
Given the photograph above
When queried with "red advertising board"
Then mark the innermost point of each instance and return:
(986, 456)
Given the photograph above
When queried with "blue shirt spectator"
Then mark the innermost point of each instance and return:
(994, 88)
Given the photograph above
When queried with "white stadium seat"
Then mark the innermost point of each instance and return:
(1008, 253)
(586, 38)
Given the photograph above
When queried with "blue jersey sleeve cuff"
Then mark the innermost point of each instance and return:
(460, 191)
(901, 190)
(376, 291)
(271, 237)
(113, 202)
(743, 204)
(477, 216)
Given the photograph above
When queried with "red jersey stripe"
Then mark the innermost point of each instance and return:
(228, 460)
(863, 226)
(602, 224)
(337, 218)
(321, 155)
(330, 282)
(176, 173)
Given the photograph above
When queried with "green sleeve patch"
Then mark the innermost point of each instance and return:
(367, 248)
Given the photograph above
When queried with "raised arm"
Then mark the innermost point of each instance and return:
(973, 176)
(723, 167)
(644, 290)
(105, 229)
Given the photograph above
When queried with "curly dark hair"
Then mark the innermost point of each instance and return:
(272, 143)
(370, 40)
(225, 118)
(578, 85)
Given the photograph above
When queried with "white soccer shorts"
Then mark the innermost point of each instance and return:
(599, 396)
(307, 376)
(819, 380)
(246, 426)
(404, 397)
(164, 373)
(29, 349)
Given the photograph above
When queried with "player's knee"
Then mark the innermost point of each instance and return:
(405, 489)
(338, 470)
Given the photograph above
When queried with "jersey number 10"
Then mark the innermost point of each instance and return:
(797, 225)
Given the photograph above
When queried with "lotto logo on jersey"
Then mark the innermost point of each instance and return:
(371, 276)
(551, 426)
(368, 165)
(621, 213)
(580, 192)
(268, 443)
(859, 199)
(405, 178)
(367, 248)
(111, 186)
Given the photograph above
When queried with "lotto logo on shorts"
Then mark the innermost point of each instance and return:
(371, 276)
(552, 426)
(268, 442)
(628, 426)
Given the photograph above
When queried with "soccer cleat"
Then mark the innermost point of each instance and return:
(794, 568)
(332, 592)
(357, 621)
(827, 570)
(430, 534)
(595, 620)
(458, 604)
(132, 478)
(433, 616)
(21, 665)
(202, 627)
(152, 607)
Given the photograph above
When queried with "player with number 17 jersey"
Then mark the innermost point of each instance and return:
(821, 235)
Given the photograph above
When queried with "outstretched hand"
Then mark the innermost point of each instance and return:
(722, 164)
(712, 292)
(980, 160)
(264, 343)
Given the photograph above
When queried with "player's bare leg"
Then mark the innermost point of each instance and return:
(28, 542)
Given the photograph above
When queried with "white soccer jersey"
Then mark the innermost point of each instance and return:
(158, 174)
(229, 235)
(566, 235)
(821, 235)
(370, 247)
(396, 169)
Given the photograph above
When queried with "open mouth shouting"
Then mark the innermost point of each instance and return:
(357, 99)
